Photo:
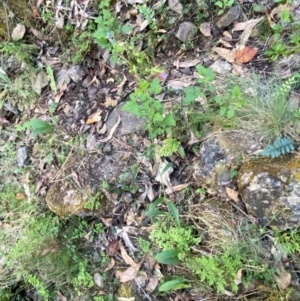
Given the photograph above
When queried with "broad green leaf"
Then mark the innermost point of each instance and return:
(168, 257)
(176, 284)
(154, 212)
(169, 120)
(174, 211)
(39, 126)
(126, 29)
(155, 87)
(169, 165)
(52, 79)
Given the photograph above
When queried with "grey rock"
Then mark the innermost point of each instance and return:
(186, 31)
(218, 152)
(98, 279)
(229, 17)
(21, 155)
(187, 71)
(129, 122)
(107, 148)
(286, 66)
(270, 189)
(176, 73)
(176, 6)
(221, 66)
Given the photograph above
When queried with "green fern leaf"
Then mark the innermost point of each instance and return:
(278, 148)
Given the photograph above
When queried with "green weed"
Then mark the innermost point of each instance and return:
(143, 104)
(223, 5)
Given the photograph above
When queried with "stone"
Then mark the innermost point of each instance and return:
(99, 280)
(80, 181)
(176, 6)
(186, 31)
(229, 17)
(270, 189)
(217, 154)
(129, 122)
(221, 66)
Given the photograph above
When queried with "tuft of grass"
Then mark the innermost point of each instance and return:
(267, 112)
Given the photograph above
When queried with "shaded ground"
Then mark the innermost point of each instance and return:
(64, 83)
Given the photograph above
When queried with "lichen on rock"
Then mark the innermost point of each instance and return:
(79, 185)
(218, 152)
(270, 188)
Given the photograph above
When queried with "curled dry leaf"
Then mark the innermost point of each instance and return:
(39, 35)
(227, 54)
(245, 55)
(110, 102)
(233, 194)
(95, 117)
(127, 258)
(20, 196)
(247, 32)
(152, 284)
(113, 129)
(128, 275)
(113, 247)
(283, 280)
(111, 265)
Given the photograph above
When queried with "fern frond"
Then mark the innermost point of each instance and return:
(279, 147)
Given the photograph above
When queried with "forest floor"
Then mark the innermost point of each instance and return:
(117, 98)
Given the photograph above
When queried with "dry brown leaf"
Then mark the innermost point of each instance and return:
(127, 258)
(237, 69)
(110, 80)
(110, 102)
(39, 35)
(128, 275)
(20, 196)
(233, 194)
(35, 12)
(225, 43)
(284, 280)
(111, 265)
(205, 29)
(187, 63)
(247, 32)
(239, 277)
(95, 117)
(61, 296)
(227, 34)
(227, 54)
(113, 129)
(245, 55)
(3, 120)
(152, 284)
(180, 187)
(113, 247)
(243, 25)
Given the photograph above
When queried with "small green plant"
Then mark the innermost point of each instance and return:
(144, 245)
(169, 147)
(38, 127)
(232, 173)
(279, 147)
(222, 5)
(94, 202)
(143, 104)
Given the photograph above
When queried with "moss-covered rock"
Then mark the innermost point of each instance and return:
(270, 188)
(78, 189)
(217, 154)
